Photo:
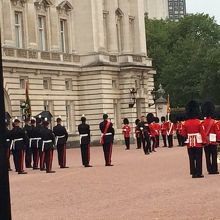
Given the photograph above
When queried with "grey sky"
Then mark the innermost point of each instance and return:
(211, 7)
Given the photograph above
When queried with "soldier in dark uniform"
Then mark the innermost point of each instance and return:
(107, 138)
(28, 152)
(34, 142)
(48, 142)
(145, 135)
(84, 133)
(8, 144)
(41, 153)
(18, 140)
(61, 137)
(138, 134)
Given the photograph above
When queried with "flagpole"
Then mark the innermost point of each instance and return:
(5, 203)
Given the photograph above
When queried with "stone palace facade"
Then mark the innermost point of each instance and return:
(79, 57)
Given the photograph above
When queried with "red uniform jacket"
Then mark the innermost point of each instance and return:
(153, 130)
(194, 132)
(163, 128)
(170, 128)
(157, 127)
(126, 131)
(211, 130)
(179, 128)
(217, 124)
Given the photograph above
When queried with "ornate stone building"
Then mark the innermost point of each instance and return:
(79, 57)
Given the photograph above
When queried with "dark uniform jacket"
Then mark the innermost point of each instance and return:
(18, 137)
(7, 137)
(107, 138)
(46, 134)
(27, 129)
(84, 129)
(144, 129)
(33, 133)
(60, 131)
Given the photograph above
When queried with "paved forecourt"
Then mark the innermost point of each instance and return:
(138, 186)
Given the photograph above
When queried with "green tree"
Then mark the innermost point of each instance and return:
(186, 55)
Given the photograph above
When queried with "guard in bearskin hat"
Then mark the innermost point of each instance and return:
(126, 130)
(163, 129)
(157, 129)
(153, 132)
(210, 148)
(195, 134)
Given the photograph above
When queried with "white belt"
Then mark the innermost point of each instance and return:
(57, 138)
(45, 142)
(194, 139)
(7, 140)
(81, 136)
(34, 139)
(14, 141)
(107, 134)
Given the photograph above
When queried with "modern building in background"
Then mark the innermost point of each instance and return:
(79, 57)
(162, 9)
(177, 9)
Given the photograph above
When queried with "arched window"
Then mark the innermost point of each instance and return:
(119, 28)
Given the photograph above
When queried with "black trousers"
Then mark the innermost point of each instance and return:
(147, 146)
(28, 157)
(42, 158)
(35, 154)
(138, 142)
(154, 143)
(61, 153)
(107, 149)
(48, 158)
(211, 158)
(164, 140)
(195, 160)
(170, 140)
(179, 138)
(85, 153)
(8, 152)
(157, 141)
(18, 155)
(127, 142)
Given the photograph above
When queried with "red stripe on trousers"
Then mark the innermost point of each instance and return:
(42, 160)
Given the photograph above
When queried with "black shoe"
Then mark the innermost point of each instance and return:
(127, 149)
(23, 172)
(87, 165)
(109, 165)
(51, 171)
(42, 169)
(147, 153)
(198, 176)
(36, 168)
(29, 166)
(154, 151)
(9, 169)
(63, 167)
(214, 172)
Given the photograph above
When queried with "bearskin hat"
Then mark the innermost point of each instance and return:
(192, 109)
(150, 118)
(208, 109)
(137, 121)
(163, 119)
(83, 119)
(156, 119)
(105, 116)
(126, 121)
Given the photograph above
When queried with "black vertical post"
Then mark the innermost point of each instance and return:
(5, 204)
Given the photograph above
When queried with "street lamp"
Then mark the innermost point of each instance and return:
(132, 101)
(157, 93)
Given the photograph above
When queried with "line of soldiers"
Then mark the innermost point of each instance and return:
(36, 141)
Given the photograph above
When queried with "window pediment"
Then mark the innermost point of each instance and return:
(64, 7)
(19, 2)
(42, 4)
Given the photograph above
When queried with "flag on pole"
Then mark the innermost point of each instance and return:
(168, 104)
(27, 110)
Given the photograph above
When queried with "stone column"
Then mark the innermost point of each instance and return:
(54, 22)
(7, 24)
(111, 30)
(31, 22)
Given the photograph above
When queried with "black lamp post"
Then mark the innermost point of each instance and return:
(5, 204)
(157, 93)
(132, 101)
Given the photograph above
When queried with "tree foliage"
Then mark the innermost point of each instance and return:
(186, 55)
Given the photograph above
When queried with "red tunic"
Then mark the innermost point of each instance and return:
(195, 133)
(211, 130)
(157, 127)
(217, 124)
(126, 131)
(153, 130)
(137, 132)
(170, 128)
(163, 128)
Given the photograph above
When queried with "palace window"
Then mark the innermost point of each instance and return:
(68, 84)
(23, 80)
(42, 32)
(47, 83)
(63, 36)
(18, 30)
